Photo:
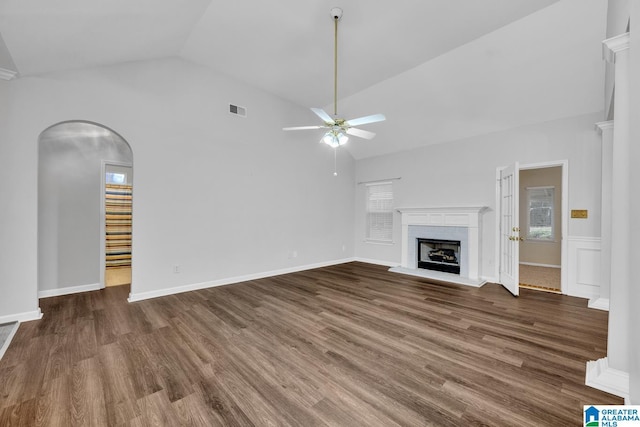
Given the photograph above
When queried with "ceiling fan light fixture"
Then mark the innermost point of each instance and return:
(335, 139)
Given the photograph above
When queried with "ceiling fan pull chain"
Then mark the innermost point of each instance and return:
(335, 161)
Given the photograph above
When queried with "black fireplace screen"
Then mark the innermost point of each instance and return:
(439, 255)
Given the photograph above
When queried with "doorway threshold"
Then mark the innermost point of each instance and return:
(541, 288)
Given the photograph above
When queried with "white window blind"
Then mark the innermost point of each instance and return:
(380, 212)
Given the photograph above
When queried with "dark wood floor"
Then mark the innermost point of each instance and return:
(350, 345)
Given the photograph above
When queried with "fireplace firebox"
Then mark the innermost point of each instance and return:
(439, 255)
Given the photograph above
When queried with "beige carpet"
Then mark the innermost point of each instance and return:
(545, 278)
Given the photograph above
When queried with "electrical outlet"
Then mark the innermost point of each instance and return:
(176, 268)
(344, 248)
(294, 254)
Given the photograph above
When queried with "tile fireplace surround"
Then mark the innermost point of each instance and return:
(449, 223)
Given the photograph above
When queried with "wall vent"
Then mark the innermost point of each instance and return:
(237, 110)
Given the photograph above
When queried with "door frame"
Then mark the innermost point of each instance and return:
(564, 206)
(103, 227)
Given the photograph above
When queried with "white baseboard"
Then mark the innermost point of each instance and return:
(69, 290)
(490, 279)
(600, 376)
(599, 303)
(22, 317)
(378, 262)
(6, 343)
(133, 297)
(535, 264)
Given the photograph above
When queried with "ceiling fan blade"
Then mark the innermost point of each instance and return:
(323, 115)
(366, 120)
(303, 127)
(360, 133)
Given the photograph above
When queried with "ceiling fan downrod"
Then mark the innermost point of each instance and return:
(336, 14)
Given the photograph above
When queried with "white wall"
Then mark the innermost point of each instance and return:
(219, 195)
(463, 173)
(18, 213)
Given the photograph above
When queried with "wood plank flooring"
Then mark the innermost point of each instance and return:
(349, 345)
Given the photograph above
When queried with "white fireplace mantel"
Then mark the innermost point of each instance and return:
(466, 217)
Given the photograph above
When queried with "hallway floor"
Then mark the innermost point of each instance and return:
(541, 278)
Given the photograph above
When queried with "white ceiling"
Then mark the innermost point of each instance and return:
(439, 69)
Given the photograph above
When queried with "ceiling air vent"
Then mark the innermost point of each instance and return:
(237, 110)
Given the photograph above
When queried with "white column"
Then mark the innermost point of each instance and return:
(611, 373)
(634, 136)
(606, 130)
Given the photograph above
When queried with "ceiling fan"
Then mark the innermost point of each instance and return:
(338, 128)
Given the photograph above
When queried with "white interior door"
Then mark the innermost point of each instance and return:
(510, 229)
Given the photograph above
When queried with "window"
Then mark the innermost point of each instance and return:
(540, 201)
(116, 178)
(380, 212)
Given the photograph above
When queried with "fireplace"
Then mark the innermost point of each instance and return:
(458, 227)
(439, 255)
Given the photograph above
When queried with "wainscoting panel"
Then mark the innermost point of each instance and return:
(584, 267)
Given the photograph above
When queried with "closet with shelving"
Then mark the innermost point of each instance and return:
(118, 201)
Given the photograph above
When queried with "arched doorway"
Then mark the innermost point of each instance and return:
(73, 158)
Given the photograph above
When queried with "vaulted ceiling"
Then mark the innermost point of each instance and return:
(440, 70)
